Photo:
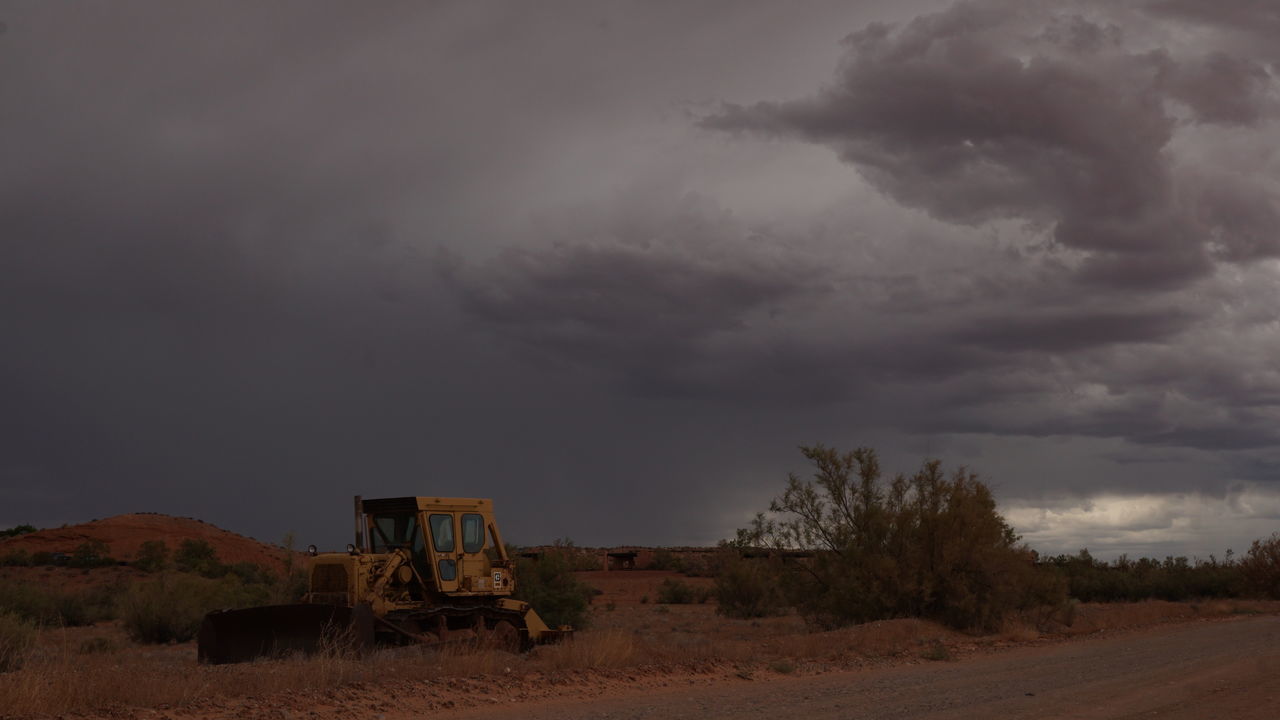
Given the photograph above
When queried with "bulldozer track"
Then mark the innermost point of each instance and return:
(459, 625)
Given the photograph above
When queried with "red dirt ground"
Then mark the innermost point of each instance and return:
(124, 535)
(629, 587)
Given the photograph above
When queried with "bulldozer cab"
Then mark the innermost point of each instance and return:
(453, 543)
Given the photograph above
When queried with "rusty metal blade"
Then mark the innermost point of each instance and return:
(230, 636)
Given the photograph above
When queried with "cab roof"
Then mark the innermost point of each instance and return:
(377, 506)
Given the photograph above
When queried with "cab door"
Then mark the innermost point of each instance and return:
(475, 563)
(444, 549)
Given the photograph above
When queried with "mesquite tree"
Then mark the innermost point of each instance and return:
(927, 545)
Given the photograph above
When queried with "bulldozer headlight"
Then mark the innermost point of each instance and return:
(351, 549)
(311, 550)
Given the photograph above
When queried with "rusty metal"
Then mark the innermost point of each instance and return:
(276, 630)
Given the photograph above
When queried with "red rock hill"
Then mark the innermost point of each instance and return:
(124, 535)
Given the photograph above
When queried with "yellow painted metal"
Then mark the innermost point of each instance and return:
(391, 581)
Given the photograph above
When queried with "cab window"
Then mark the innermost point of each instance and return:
(472, 533)
(394, 531)
(442, 532)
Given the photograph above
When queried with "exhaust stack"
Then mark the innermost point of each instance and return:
(359, 525)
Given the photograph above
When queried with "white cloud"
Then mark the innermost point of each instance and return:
(1149, 524)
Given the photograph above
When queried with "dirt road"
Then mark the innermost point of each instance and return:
(1227, 669)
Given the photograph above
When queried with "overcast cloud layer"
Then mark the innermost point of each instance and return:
(610, 263)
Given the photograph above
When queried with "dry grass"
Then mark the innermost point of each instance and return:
(86, 669)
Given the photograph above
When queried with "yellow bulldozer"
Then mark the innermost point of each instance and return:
(421, 570)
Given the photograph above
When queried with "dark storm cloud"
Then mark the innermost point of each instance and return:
(959, 114)
(1253, 23)
(654, 302)
(257, 259)
(1075, 332)
(1224, 89)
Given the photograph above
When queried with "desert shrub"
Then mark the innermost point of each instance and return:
(170, 608)
(252, 573)
(1125, 580)
(17, 530)
(153, 556)
(98, 646)
(749, 588)
(937, 651)
(578, 558)
(41, 558)
(676, 592)
(289, 587)
(16, 639)
(91, 554)
(43, 605)
(702, 565)
(919, 546)
(549, 585)
(199, 557)
(664, 559)
(18, 558)
(1260, 567)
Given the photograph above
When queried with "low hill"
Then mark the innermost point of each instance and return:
(124, 535)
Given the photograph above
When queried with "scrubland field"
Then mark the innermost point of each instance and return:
(629, 645)
(83, 634)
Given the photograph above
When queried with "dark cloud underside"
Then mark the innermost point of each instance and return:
(255, 259)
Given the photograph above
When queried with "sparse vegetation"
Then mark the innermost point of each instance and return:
(17, 635)
(16, 558)
(153, 556)
(17, 530)
(749, 588)
(170, 608)
(664, 559)
(200, 558)
(549, 585)
(937, 651)
(91, 554)
(1260, 567)
(1124, 580)
(676, 592)
(48, 606)
(98, 646)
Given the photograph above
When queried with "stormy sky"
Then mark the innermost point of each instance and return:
(610, 263)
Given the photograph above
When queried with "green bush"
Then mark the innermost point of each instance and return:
(170, 608)
(153, 556)
(549, 585)
(17, 636)
(17, 530)
(749, 588)
(43, 605)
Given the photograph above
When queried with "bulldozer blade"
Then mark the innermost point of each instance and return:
(230, 636)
